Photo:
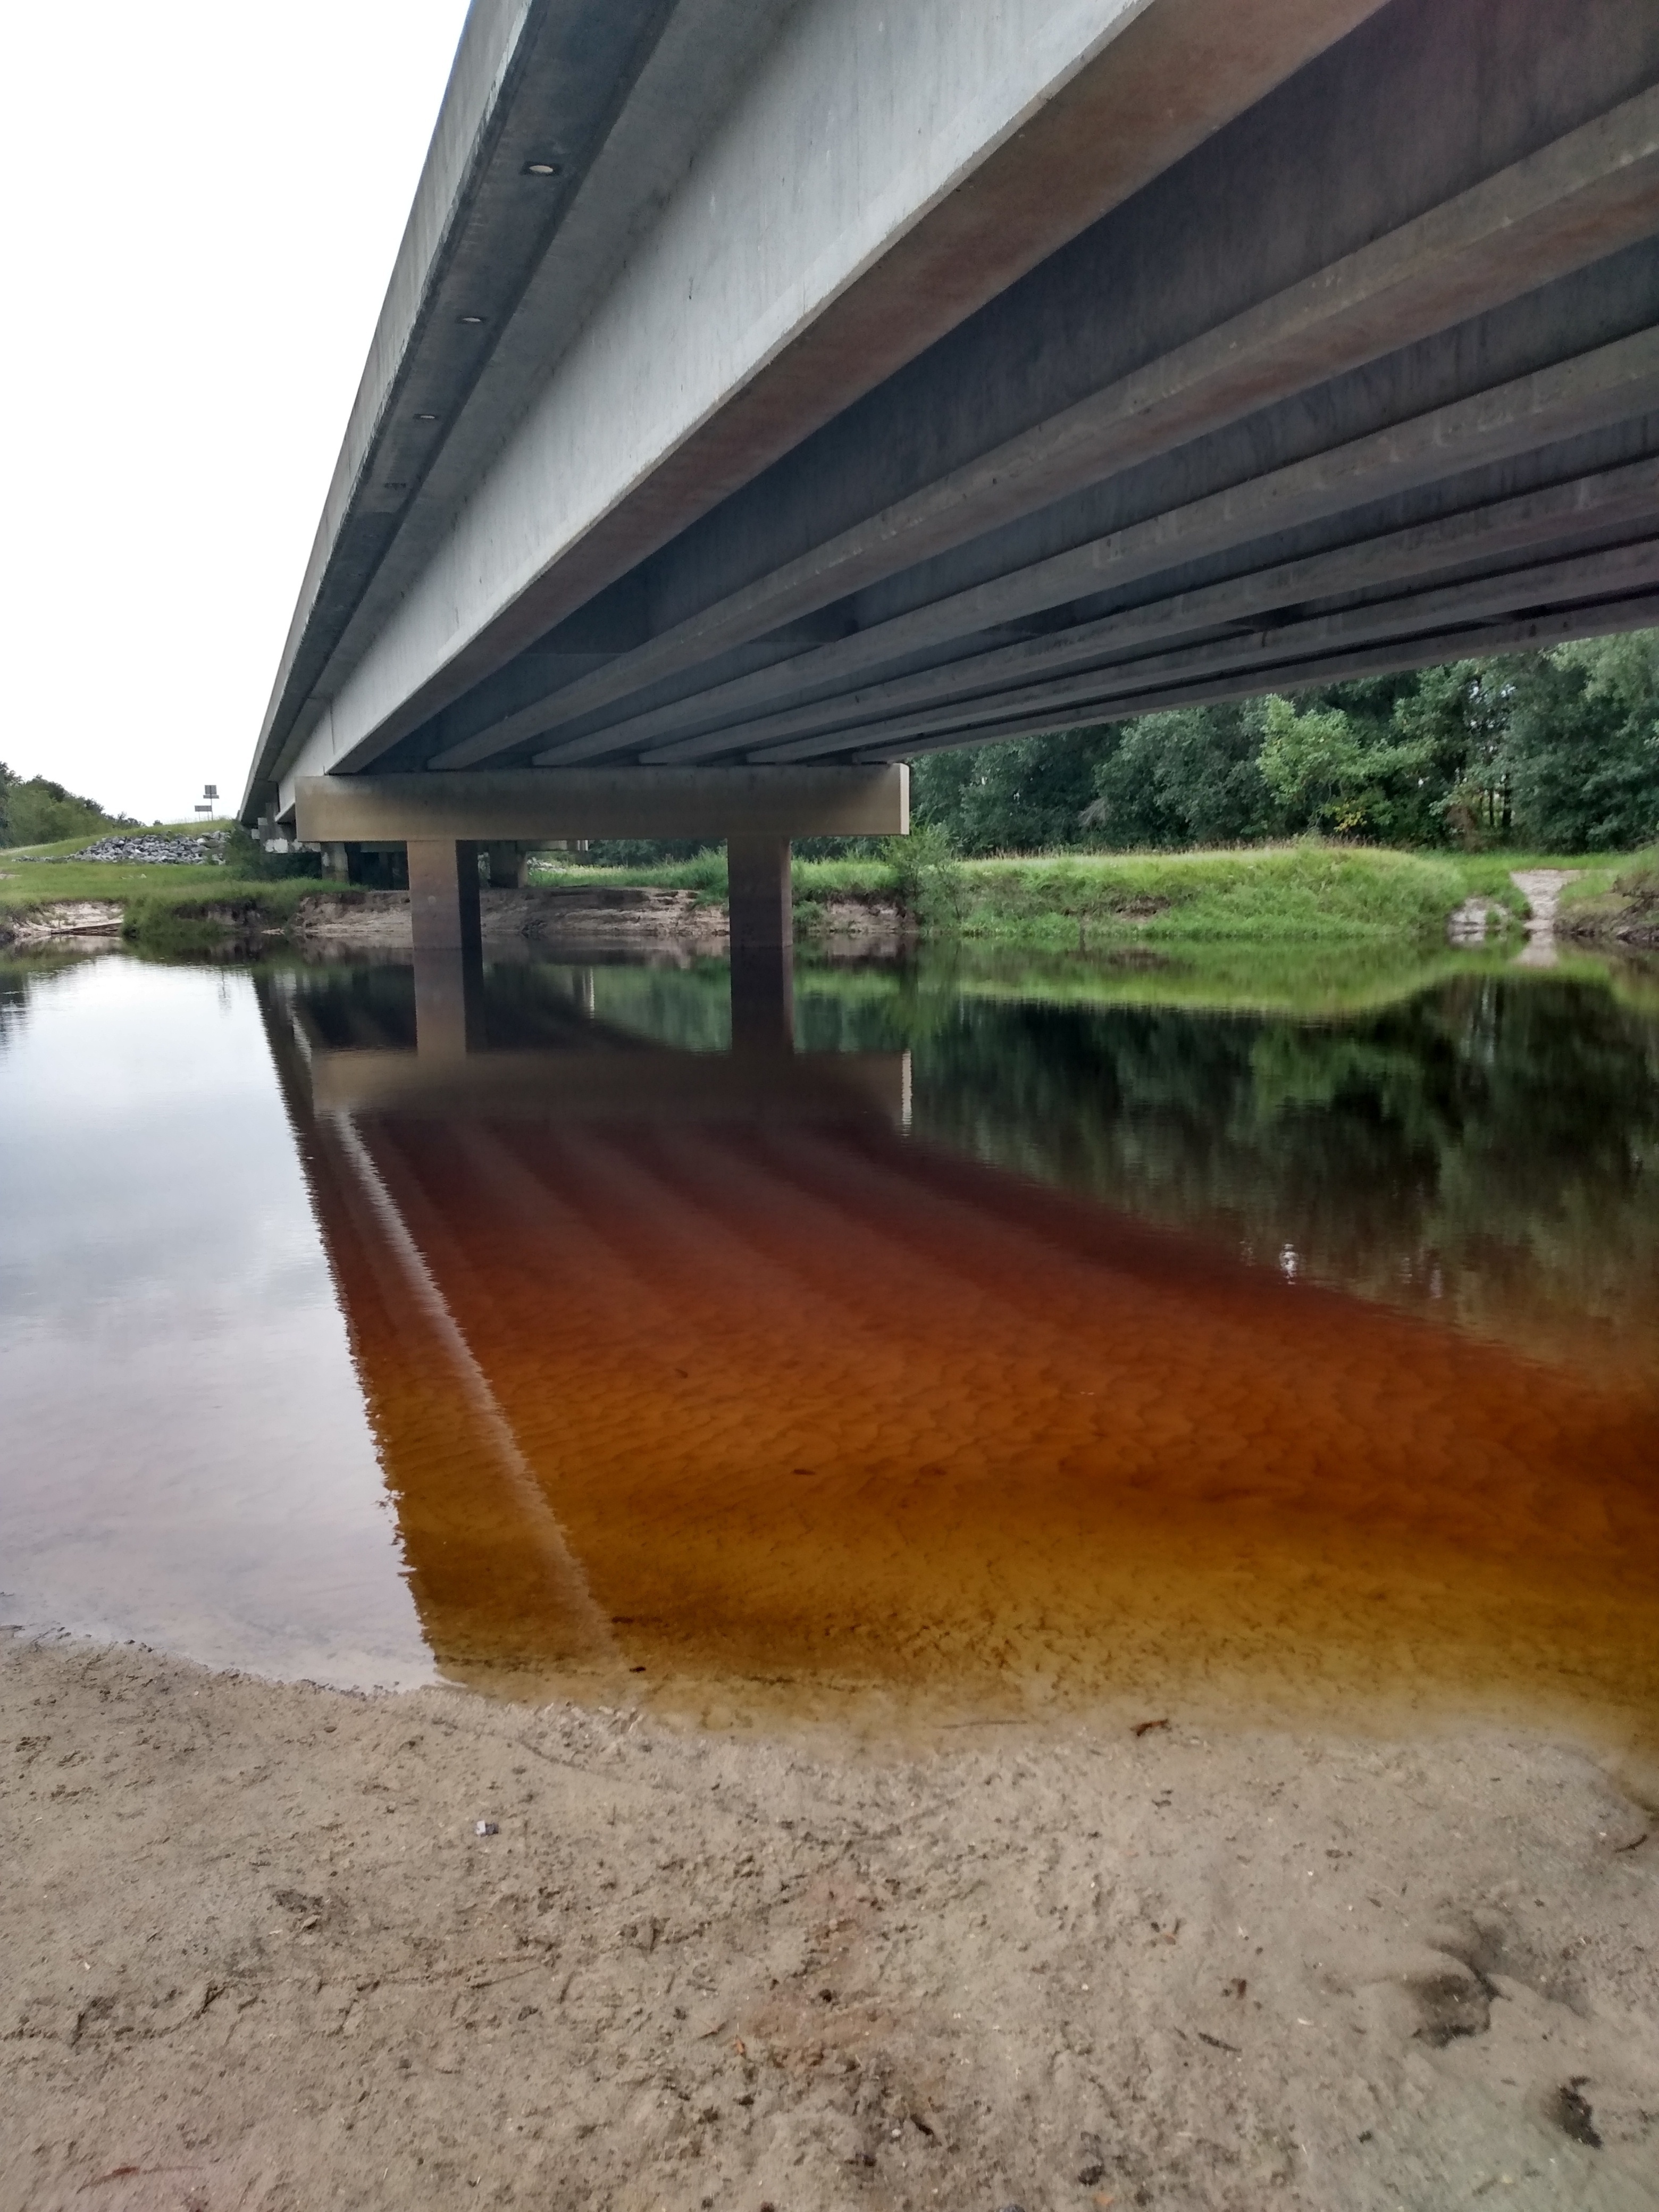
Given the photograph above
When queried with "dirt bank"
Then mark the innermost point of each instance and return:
(589, 916)
(258, 1957)
(607, 914)
(65, 920)
(1612, 918)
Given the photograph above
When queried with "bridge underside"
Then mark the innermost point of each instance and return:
(1358, 376)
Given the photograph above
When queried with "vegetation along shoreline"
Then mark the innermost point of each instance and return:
(1313, 891)
(1366, 811)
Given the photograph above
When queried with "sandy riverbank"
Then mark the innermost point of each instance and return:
(257, 1958)
(621, 915)
(641, 917)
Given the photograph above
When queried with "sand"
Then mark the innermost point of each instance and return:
(604, 916)
(256, 1956)
(66, 920)
(595, 918)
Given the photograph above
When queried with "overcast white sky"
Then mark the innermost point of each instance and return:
(203, 202)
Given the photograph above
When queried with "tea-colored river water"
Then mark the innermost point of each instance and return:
(1024, 1343)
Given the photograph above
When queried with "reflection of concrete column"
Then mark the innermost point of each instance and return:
(443, 892)
(448, 1001)
(534, 1587)
(762, 998)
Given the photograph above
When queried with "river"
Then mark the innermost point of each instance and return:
(1201, 1335)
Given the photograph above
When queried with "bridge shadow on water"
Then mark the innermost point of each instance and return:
(712, 1377)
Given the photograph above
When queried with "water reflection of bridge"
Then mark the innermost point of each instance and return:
(696, 1365)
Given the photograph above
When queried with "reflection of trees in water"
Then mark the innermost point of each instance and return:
(1489, 1145)
(684, 1003)
(1493, 1144)
(527, 1004)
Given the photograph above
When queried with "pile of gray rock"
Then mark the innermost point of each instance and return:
(150, 849)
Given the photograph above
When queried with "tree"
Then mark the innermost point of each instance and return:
(1187, 777)
(1025, 794)
(1462, 711)
(1581, 747)
(1556, 749)
(37, 811)
(1329, 773)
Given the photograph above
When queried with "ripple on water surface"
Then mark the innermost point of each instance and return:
(753, 1386)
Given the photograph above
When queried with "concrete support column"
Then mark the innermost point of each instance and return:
(762, 942)
(443, 894)
(758, 890)
(504, 866)
(443, 907)
(336, 863)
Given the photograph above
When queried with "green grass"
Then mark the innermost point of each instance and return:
(1306, 894)
(1302, 893)
(1637, 877)
(705, 873)
(169, 910)
(1612, 892)
(40, 875)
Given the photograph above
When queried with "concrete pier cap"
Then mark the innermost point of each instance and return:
(507, 805)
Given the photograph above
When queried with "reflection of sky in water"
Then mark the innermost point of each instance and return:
(187, 1460)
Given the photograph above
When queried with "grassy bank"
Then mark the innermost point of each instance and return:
(1616, 901)
(1301, 894)
(165, 908)
(1309, 893)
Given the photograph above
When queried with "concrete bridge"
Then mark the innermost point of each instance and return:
(770, 391)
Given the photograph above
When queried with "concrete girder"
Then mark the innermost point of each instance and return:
(1596, 578)
(1416, 106)
(990, 132)
(1613, 384)
(1614, 500)
(1596, 581)
(1595, 618)
(1575, 201)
